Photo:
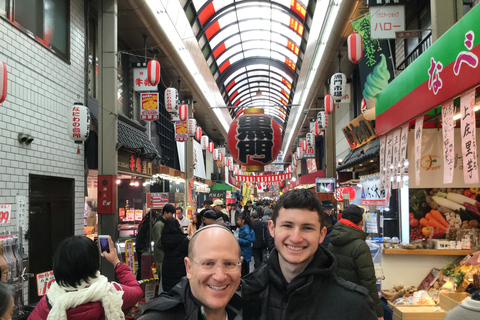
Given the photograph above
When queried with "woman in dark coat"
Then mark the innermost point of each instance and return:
(175, 246)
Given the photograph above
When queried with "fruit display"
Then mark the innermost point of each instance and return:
(440, 212)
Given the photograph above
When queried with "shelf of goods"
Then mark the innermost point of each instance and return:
(428, 252)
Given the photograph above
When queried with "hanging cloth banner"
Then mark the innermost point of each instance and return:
(418, 148)
(448, 142)
(388, 160)
(381, 185)
(403, 153)
(396, 157)
(469, 143)
(267, 179)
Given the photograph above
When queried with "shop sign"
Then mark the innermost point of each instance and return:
(371, 222)
(444, 71)
(358, 132)
(44, 281)
(432, 161)
(382, 168)
(403, 153)
(372, 3)
(371, 193)
(181, 131)
(157, 200)
(129, 255)
(418, 149)
(307, 154)
(387, 20)
(408, 34)
(107, 194)
(5, 213)
(132, 163)
(149, 110)
(469, 143)
(140, 80)
(448, 142)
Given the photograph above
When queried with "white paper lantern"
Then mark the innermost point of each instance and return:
(338, 83)
(204, 142)
(191, 127)
(215, 153)
(78, 122)
(171, 100)
(310, 137)
(322, 120)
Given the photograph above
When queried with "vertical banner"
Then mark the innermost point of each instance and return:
(448, 142)
(130, 255)
(388, 159)
(383, 140)
(396, 157)
(403, 153)
(469, 143)
(418, 148)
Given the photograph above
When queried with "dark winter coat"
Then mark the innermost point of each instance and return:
(245, 238)
(175, 247)
(180, 304)
(142, 240)
(259, 227)
(354, 260)
(314, 294)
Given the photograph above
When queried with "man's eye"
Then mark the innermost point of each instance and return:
(229, 264)
(208, 264)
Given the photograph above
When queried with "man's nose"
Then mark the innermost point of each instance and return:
(296, 235)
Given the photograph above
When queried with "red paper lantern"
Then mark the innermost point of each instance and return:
(171, 98)
(355, 47)
(254, 139)
(153, 72)
(183, 112)
(191, 127)
(220, 157)
(304, 145)
(318, 130)
(3, 81)
(329, 105)
(204, 142)
(210, 147)
(198, 133)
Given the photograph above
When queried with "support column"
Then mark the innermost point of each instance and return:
(444, 16)
(330, 145)
(188, 161)
(108, 117)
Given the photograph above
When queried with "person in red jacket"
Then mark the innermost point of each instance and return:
(80, 291)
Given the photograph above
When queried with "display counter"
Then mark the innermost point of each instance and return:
(428, 252)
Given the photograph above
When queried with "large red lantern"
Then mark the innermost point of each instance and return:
(355, 47)
(171, 98)
(204, 142)
(329, 105)
(304, 144)
(3, 81)
(153, 72)
(210, 147)
(183, 112)
(198, 133)
(254, 139)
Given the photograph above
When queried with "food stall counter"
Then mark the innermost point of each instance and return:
(428, 252)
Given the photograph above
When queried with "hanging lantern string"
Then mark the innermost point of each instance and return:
(339, 62)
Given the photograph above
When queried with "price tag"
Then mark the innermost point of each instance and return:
(149, 291)
(44, 281)
(5, 213)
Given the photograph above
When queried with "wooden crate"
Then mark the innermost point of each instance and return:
(407, 312)
(448, 301)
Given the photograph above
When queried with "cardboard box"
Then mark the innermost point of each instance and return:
(448, 300)
(406, 312)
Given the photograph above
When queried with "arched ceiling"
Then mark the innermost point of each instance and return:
(254, 50)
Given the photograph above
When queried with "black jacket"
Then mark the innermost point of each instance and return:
(175, 247)
(314, 294)
(354, 259)
(142, 239)
(259, 227)
(180, 304)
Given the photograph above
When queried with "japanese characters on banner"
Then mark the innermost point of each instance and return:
(387, 20)
(5, 213)
(418, 148)
(181, 131)
(403, 153)
(157, 200)
(140, 80)
(396, 156)
(448, 142)
(469, 143)
(267, 178)
(383, 140)
(388, 160)
(371, 193)
(149, 110)
(129, 255)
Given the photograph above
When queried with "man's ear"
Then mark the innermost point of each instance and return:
(188, 267)
(271, 228)
(323, 233)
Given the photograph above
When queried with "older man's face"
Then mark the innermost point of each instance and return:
(214, 286)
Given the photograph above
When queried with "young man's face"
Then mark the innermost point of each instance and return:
(168, 215)
(297, 234)
(179, 214)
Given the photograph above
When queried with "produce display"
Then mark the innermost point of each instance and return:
(441, 213)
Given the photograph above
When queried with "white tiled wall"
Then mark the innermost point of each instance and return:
(41, 88)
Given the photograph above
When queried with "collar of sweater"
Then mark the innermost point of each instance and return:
(471, 304)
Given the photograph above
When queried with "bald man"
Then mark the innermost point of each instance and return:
(213, 275)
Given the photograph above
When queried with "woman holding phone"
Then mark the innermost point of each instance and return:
(80, 291)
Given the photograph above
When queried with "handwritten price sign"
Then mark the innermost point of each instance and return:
(44, 281)
(5, 213)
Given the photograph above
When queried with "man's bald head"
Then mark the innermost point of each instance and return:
(213, 233)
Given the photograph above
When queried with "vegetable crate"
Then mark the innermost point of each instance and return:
(406, 312)
(449, 300)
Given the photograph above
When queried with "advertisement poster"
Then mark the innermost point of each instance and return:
(129, 255)
(371, 193)
(181, 131)
(157, 200)
(140, 80)
(371, 222)
(149, 111)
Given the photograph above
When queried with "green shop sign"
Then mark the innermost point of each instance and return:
(444, 71)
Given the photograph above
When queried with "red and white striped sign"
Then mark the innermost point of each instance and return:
(191, 127)
(153, 72)
(329, 105)
(265, 179)
(198, 133)
(171, 98)
(204, 142)
(3, 81)
(220, 157)
(183, 112)
(156, 200)
(355, 47)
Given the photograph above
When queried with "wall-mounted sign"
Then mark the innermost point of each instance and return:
(371, 193)
(107, 194)
(386, 21)
(134, 164)
(372, 3)
(5, 213)
(181, 131)
(358, 132)
(157, 200)
(140, 80)
(149, 111)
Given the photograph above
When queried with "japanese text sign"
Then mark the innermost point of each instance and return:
(44, 281)
(5, 213)
(418, 148)
(371, 193)
(469, 143)
(448, 142)
(387, 20)
(149, 111)
(157, 200)
(181, 131)
(140, 80)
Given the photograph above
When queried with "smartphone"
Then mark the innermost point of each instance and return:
(103, 244)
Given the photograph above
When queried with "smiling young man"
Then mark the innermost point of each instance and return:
(298, 281)
(213, 276)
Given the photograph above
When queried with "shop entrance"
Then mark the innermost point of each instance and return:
(51, 219)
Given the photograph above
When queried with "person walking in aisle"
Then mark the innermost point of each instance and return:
(260, 229)
(298, 280)
(194, 225)
(158, 254)
(354, 259)
(175, 246)
(246, 237)
(213, 276)
(183, 220)
(143, 239)
(80, 292)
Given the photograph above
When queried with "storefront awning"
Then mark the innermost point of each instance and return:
(360, 155)
(136, 140)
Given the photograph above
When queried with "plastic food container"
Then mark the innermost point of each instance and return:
(395, 242)
(386, 243)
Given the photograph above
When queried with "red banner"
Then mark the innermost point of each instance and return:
(266, 179)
